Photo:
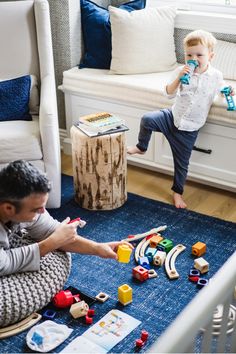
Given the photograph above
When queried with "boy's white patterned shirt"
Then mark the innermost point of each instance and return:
(193, 101)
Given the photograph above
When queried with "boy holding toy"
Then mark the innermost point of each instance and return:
(181, 123)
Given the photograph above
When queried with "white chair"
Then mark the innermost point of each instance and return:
(26, 49)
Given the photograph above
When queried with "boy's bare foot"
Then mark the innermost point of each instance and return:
(178, 201)
(131, 150)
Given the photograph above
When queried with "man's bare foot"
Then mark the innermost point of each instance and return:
(178, 201)
(131, 150)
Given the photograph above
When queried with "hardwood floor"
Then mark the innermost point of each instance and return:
(203, 199)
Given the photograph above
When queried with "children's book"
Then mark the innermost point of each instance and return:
(92, 133)
(104, 334)
(101, 122)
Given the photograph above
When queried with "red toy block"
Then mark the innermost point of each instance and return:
(88, 319)
(64, 299)
(140, 273)
(139, 343)
(144, 335)
(91, 312)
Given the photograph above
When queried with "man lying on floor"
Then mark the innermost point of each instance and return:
(23, 197)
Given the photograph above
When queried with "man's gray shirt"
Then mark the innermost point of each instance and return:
(24, 258)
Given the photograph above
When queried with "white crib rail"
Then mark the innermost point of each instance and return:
(180, 336)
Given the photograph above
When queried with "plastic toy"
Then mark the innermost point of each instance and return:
(64, 299)
(139, 343)
(230, 101)
(185, 79)
(49, 314)
(124, 253)
(79, 310)
(152, 274)
(125, 294)
(199, 249)
(102, 297)
(88, 320)
(82, 223)
(144, 335)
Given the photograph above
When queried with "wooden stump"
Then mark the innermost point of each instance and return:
(99, 169)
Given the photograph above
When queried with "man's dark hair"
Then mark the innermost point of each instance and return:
(19, 179)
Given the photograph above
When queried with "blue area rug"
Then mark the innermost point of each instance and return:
(157, 301)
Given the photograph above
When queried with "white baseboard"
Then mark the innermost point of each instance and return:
(65, 142)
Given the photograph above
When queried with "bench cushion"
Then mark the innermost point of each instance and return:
(146, 90)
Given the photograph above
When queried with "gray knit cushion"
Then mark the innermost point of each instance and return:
(21, 294)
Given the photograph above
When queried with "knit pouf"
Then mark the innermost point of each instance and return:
(21, 294)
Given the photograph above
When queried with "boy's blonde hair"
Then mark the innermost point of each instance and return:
(200, 37)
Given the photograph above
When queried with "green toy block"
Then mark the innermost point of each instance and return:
(165, 245)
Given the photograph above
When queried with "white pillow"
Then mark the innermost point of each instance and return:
(225, 59)
(142, 40)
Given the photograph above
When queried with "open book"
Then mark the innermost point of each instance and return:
(104, 334)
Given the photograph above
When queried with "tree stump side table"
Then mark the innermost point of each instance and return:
(99, 170)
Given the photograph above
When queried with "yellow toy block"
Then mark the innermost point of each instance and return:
(154, 240)
(124, 253)
(199, 249)
(125, 294)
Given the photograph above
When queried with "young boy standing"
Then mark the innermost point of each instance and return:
(180, 124)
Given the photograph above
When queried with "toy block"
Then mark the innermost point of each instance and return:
(152, 273)
(194, 275)
(155, 240)
(49, 314)
(150, 252)
(144, 262)
(88, 320)
(198, 249)
(139, 343)
(124, 253)
(144, 335)
(91, 312)
(202, 282)
(201, 264)
(125, 294)
(140, 273)
(102, 297)
(79, 309)
(165, 245)
(159, 258)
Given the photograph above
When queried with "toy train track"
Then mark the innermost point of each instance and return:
(170, 261)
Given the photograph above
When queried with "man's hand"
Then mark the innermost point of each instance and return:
(63, 235)
(109, 249)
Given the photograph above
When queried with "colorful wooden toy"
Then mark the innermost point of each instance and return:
(139, 343)
(198, 249)
(194, 275)
(165, 245)
(140, 273)
(202, 282)
(159, 258)
(150, 253)
(88, 320)
(155, 240)
(144, 335)
(201, 264)
(152, 273)
(79, 309)
(125, 294)
(102, 297)
(124, 253)
(144, 262)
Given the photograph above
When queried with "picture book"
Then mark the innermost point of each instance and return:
(101, 122)
(92, 133)
(104, 334)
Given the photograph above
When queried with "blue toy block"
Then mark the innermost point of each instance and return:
(230, 101)
(194, 272)
(49, 314)
(185, 79)
(202, 282)
(150, 253)
(144, 262)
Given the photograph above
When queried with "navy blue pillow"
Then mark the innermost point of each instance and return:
(96, 29)
(14, 99)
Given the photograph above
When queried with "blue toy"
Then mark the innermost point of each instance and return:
(230, 101)
(193, 64)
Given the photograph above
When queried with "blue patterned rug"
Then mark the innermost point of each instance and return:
(157, 301)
